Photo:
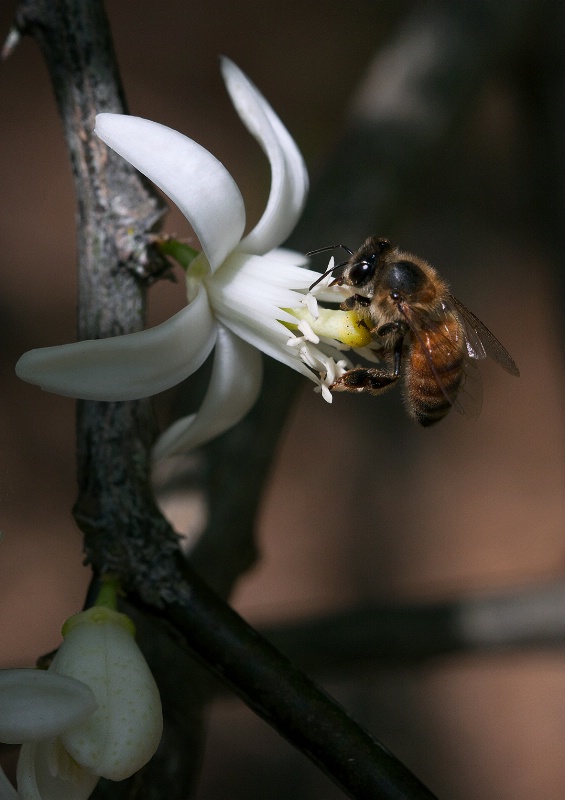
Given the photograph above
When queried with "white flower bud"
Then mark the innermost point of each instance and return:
(124, 732)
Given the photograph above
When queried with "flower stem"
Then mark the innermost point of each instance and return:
(108, 594)
(180, 251)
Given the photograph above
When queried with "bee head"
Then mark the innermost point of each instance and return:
(362, 266)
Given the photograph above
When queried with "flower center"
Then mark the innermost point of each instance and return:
(347, 327)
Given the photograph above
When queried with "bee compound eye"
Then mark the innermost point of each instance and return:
(361, 272)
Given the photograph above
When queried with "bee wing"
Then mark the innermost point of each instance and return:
(480, 341)
(469, 401)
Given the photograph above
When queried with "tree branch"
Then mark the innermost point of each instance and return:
(117, 210)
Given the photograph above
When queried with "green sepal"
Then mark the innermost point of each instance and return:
(181, 252)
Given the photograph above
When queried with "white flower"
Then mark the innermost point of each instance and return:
(95, 713)
(36, 707)
(242, 292)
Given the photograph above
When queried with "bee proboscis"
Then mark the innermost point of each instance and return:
(420, 331)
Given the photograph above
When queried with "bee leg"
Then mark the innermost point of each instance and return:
(398, 331)
(371, 380)
(355, 301)
(397, 355)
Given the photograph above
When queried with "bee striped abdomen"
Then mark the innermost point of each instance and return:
(435, 371)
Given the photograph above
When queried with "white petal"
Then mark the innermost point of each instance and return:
(249, 294)
(288, 256)
(126, 367)
(276, 268)
(272, 343)
(46, 772)
(35, 704)
(122, 735)
(289, 178)
(192, 177)
(234, 387)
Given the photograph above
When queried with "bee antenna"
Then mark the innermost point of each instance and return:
(324, 250)
(327, 272)
(331, 247)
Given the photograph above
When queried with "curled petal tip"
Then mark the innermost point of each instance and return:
(12, 41)
(289, 177)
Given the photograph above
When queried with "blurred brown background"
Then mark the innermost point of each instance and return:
(355, 510)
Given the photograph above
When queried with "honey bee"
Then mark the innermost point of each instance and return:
(420, 332)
